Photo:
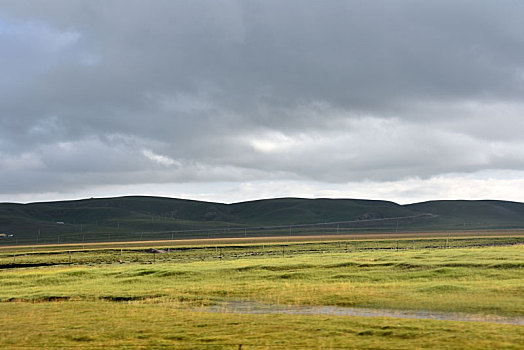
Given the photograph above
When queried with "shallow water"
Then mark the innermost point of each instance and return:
(248, 307)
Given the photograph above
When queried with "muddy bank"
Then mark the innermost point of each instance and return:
(17, 266)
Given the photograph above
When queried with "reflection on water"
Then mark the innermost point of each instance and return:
(249, 307)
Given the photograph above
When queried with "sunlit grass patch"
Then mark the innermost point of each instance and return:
(153, 325)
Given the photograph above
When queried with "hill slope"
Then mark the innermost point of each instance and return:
(140, 217)
(457, 214)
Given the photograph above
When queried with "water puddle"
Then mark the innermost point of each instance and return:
(248, 307)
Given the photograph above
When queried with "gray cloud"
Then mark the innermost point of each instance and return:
(130, 92)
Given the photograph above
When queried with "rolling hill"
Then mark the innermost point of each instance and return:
(141, 217)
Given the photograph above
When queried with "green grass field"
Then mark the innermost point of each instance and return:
(162, 300)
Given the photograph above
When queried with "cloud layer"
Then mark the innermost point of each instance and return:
(97, 94)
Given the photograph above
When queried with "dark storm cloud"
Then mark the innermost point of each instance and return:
(171, 91)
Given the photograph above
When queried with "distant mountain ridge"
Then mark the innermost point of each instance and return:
(101, 217)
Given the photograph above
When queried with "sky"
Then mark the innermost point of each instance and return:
(238, 100)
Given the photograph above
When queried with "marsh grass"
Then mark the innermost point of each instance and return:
(103, 324)
(109, 254)
(483, 280)
(97, 301)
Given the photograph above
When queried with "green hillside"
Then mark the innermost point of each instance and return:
(298, 210)
(483, 214)
(141, 217)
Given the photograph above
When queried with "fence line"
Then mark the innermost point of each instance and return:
(321, 228)
(227, 251)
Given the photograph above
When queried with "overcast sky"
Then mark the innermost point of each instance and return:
(236, 100)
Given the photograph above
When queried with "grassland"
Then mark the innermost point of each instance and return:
(160, 299)
(102, 325)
